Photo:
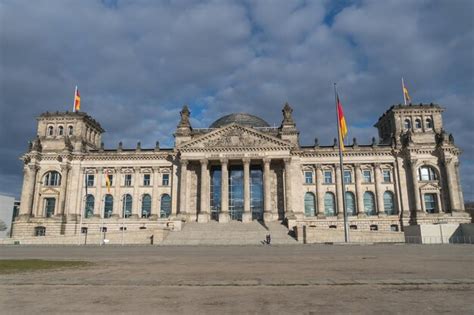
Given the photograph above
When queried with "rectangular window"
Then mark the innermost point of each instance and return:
(49, 205)
(308, 177)
(367, 176)
(347, 177)
(146, 180)
(90, 180)
(128, 180)
(327, 177)
(165, 180)
(387, 176)
(431, 204)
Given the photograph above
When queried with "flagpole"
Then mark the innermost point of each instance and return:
(74, 102)
(341, 165)
(403, 92)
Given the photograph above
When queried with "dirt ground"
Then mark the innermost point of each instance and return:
(309, 279)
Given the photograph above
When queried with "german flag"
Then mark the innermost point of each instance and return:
(107, 180)
(342, 122)
(77, 100)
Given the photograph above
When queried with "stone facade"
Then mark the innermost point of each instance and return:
(240, 169)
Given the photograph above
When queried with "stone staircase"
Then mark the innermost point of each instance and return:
(232, 233)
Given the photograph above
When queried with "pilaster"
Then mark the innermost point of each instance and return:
(378, 188)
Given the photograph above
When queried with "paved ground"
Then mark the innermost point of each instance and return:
(245, 279)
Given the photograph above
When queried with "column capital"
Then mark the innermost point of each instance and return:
(184, 162)
(357, 166)
(377, 166)
(287, 160)
(156, 169)
(266, 160)
(337, 166)
(204, 161)
(318, 166)
(136, 169)
(224, 161)
(246, 160)
(33, 167)
(99, 169)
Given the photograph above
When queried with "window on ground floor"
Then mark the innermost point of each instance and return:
(329, 204)
(40, 231)
(146, 206)
(309, 205)
(431, 204)
(350, 203)
(165, 206)
(369, 203)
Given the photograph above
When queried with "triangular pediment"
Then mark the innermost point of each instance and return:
(237, 137)
(429, 186)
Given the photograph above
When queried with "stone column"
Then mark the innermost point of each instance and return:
(247, 215)
(99, 194)
(174, 190)
(359, 191)
(339, 192)
(155, 199)
(117, 209)
(288, 195)
(416, 190)
(224, 215)
(451, 185)
(28, 189)
(183, 174)
(136, 208)
(204, 213)
(319, 190)
(379, 189)
(62, 192)
(267, 198)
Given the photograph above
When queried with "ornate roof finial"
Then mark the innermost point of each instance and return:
(184, 122)
(287, 115)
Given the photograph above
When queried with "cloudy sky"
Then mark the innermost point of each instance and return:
(137, 62)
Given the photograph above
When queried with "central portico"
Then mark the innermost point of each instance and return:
(238, 169)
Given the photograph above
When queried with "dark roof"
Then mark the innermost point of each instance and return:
(241, 119)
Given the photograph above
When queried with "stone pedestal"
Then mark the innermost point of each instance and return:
(246, 217)
(224, 217)
(203, 217)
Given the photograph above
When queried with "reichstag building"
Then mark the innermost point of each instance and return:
(240, 169)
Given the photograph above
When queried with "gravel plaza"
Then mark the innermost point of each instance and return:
(309, 279)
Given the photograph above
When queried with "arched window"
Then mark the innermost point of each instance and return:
(427, 173)
(52, 178)
(127, 206)
(70, 130)
(146, 206)
(89, 207)
(431, 203)
(388, 203)
(61, 130)
(309, 205)
(429, 123)
(407, 123)
(50, 131)
(329, 204)
(165, 206)
(369, 203)
(350, 203)
(417, 123)
(108, 205)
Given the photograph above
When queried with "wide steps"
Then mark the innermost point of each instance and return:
(232, 233)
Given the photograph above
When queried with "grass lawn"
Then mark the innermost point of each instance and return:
(22, 265)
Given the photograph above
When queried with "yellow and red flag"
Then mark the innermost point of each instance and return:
(342, 122)
(107, 180)
(77, 101)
